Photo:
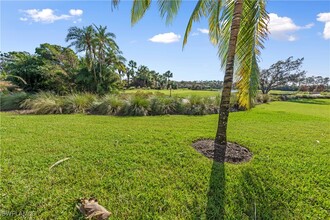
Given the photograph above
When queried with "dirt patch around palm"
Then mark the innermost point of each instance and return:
(233, 153)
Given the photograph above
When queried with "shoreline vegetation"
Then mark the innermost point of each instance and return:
(136, 102)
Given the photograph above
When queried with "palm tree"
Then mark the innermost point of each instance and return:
(168, 74)
(131, 71)
(143, 75)
(82, 39)
(238, 28)
(153, 78)
(103, 41)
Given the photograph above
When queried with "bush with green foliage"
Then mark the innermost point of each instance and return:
(126, 104)
(44, 103)
(162, 105)
(137, 105)
(196, 105)
(108, 105)
(78, 103)
(13, 101)
(262, 98)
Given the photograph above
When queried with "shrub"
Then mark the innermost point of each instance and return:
(44, 103)
(12, 101)
(136, 106)
(196, 105)
(213, 104)
(109, 105)
(179, 105)
(262, 98)
(78, 103)
(162, 105)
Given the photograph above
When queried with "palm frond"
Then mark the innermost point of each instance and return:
(198, 12)
(214, 10)
(248, 82)
(168, 9)
(138, 9)
(253, 33)
(115, 4)
(226, 18)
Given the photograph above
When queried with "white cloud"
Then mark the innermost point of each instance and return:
(292, 38)
(76, 12)
(203, 30)
(194, 34)
(48, 15)
(283, 28)
(308, 26)
(165, 38)
(325, 17)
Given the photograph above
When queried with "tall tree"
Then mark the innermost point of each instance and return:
(82, 39)
(168, 74)
(238, 28)
(103, 44)
(142, 75)
(131, 70)
(281, 73)
(103, 58)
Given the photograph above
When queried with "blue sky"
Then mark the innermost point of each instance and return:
(298, 29)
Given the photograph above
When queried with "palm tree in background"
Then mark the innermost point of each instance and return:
(168, 74)
(102, 55)
(143, 75)
(131, 71)
(82, 39)
(238, 28)
(104, 44)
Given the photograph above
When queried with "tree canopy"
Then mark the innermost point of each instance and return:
(281, 73)
(98, 68)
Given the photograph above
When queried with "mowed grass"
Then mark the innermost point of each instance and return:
(178, 92)
(145, 167)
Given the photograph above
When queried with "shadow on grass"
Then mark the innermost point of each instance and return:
(255, 198)
(216, 195)
(311, 101)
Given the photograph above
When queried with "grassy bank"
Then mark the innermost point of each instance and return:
(145, 167)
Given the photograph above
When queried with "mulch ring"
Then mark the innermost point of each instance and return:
(234, 153)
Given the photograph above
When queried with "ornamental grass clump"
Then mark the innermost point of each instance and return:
(262, 98)
(79, 103)
(162, 105)
(108, 105)
(196, 105)
(44, 103)
(136, 106)
(9, 102)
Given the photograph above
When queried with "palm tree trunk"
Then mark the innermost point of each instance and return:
(221, 135)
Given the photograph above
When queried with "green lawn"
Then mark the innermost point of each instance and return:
(178, 92)
(145, 167)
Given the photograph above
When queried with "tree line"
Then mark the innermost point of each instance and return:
(97, 66)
